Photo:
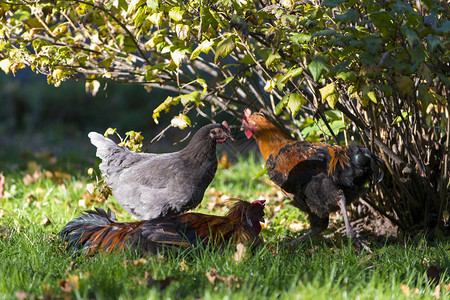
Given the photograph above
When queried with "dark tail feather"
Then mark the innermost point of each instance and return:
(377, 170)
(87, 232)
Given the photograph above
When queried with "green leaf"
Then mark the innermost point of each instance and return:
(204, 47)
(349, 76)
(153, 4)
(207, 19)
(281, 82)
(300, 38)
(106, 63)
(193, 97)
(411, 36)
(399, 119)
(332, 3)
(282, 104)
(368, 95)
(404, 84)
(176, 13)
(21, 15)
(227, 80)
(317, 67)
(444, 28)
(225, 47)
(433, 42)
(271, 59)
(295, 102)
(350, 16)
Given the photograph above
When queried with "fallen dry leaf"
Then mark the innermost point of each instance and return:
(31, 178)
(296, 226)
(239, 255)
(139, 262)
(46, 222)
(406, 290)
(183, 266)
(213, 275)
(21, 295)
(224, 162)
(70, 267)
(68, 284)
(437, 291)
(2, 185)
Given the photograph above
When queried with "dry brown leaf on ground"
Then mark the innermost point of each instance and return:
(406, 290)
(139, 262)
(437, 291)
(240, 253)
(2, 185)
(69, 284)
(46, 222)
(31, 178)
(183, 266)
(213, 275)
(224, 162)
(21, 295)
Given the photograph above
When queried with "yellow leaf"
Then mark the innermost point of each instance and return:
(141, 261)
(326, 91)
(182, 31)
(270, 85)
(5, 65)
(156, 18)
(92, 87)
(181, 121)
(183, 266)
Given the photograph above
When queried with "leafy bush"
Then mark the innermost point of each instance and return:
(383, 65)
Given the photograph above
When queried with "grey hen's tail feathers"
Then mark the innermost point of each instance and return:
(103, 144)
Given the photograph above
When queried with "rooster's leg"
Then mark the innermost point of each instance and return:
(359, 240)
(348, 227)
(318, 224)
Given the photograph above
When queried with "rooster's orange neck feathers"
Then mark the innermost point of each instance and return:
(270, 138)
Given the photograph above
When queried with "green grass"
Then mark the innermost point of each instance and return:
(32, 263)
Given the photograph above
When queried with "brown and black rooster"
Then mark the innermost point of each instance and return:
(150, 185)
(97, 230)
(317, 177)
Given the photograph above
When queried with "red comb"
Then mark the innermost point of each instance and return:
(259, 202)
(247, 113)
(225, 124)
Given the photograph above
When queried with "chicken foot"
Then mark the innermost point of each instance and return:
(351, 234)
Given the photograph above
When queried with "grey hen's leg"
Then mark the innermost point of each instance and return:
(318, 225)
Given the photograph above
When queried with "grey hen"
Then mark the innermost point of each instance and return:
(149, 185)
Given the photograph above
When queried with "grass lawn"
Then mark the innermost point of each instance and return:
(34, 265)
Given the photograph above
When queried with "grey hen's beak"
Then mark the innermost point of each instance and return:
(230, 136)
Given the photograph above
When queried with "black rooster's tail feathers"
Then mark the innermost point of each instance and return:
(82, 228)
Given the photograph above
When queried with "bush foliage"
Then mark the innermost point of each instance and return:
(372, 71)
